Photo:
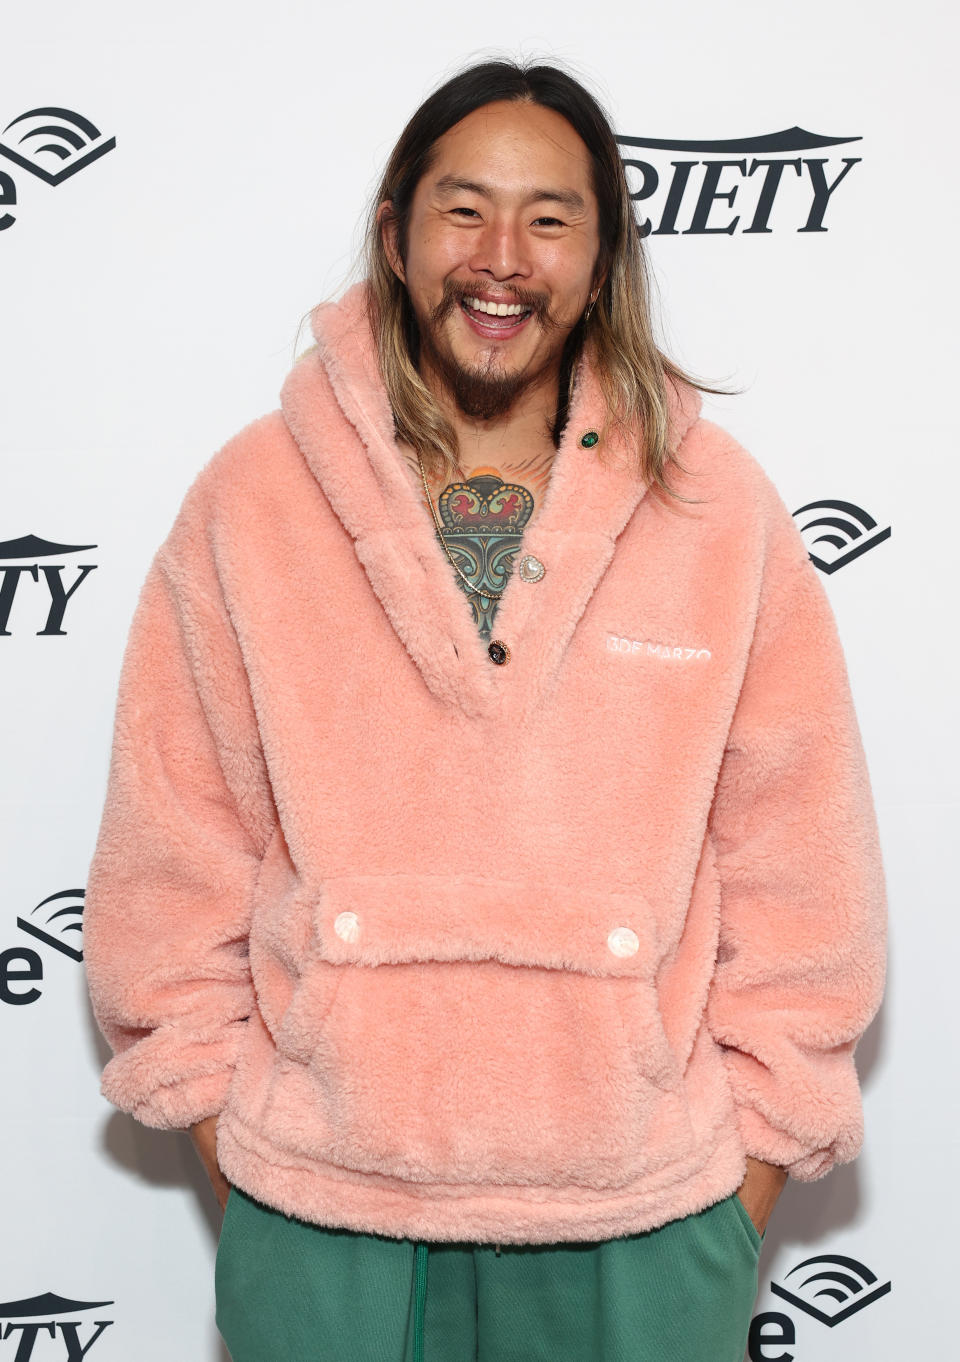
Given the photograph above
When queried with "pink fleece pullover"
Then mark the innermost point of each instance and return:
(525, 953)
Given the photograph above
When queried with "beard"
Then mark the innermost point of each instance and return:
(485, 390)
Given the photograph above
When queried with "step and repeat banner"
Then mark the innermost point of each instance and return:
(177, 190)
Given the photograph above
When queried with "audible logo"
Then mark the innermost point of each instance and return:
(830, 1288)
(838, 532)
(52, 144)
(57, 921)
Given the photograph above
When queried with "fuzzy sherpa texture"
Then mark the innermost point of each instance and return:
(457, 951)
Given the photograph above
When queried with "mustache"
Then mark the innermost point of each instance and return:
(455, 292)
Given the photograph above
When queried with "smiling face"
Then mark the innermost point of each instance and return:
(501, 252)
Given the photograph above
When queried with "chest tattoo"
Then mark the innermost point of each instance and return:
(483, 519)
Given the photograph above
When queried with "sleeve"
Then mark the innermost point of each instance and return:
(802, 954)
(186, 820)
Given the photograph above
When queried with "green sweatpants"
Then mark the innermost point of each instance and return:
(288, 1291)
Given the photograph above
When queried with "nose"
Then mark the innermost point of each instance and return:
(498, 250)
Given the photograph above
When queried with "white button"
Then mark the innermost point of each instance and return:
(623, 941)
(347, 925)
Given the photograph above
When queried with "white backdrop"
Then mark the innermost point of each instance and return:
(150, 308)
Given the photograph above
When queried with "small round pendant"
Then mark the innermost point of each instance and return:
(531, 569)
(499, 651)
(588, 439)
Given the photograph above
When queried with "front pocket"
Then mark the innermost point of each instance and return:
(482, 1030)
(743, 1215)
(225, 1223)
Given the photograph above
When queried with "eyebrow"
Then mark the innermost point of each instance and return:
(569, 198)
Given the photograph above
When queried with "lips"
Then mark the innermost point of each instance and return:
(508, 320)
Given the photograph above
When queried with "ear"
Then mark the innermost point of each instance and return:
(389, 235)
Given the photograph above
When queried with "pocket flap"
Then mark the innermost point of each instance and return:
(394, 919)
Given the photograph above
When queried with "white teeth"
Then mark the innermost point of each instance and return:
(495, 309)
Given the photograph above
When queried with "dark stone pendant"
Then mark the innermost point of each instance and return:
(499, 652)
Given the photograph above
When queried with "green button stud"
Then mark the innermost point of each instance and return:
(588, 439)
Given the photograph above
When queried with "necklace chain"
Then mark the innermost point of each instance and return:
(436, 520)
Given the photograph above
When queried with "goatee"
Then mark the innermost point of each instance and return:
(482, 391)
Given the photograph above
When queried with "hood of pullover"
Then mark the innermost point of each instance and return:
(588, 502)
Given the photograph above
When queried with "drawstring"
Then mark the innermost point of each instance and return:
(419, 1299)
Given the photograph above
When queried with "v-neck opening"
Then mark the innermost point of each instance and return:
(542, 525)
(416, 486)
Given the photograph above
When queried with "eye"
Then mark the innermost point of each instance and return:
(471, 212)
(548, 222)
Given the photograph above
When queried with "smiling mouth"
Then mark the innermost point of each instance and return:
(495, 318)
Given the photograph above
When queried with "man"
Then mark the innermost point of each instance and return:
(529, 940)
